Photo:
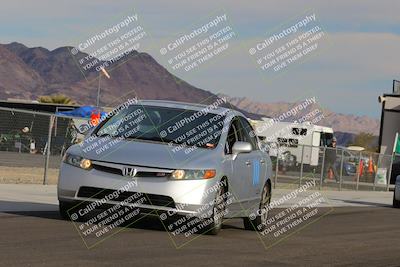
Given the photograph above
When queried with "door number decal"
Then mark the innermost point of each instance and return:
(256, 172)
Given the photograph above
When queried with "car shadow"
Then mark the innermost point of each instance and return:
(31, 209)
(366, 203)
(50, 211)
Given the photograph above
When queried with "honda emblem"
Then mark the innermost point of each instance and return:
(129, 171)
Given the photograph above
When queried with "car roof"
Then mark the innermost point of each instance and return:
(189, 106)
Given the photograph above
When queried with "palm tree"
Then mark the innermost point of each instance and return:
(56, 99)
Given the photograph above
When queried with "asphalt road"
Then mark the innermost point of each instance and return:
(356, 236)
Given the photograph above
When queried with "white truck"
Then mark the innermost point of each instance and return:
(292, 137)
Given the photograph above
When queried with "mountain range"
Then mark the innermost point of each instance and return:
(339, 122)
(30, 72)
(27, 73)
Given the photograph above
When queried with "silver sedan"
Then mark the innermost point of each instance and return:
(186, 159)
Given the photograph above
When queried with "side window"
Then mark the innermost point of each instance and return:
(326, 139)
(299, 131)
(247, 133)
(231, 139)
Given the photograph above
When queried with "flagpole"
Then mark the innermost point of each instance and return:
(98, 89)
(98, 92)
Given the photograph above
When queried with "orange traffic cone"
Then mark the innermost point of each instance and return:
(361, 167)
(370, 166)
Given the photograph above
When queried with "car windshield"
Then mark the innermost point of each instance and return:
(164, 124)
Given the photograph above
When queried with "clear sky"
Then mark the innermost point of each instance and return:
(359, 64)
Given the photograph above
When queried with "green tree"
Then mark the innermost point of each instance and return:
(56, 99)
(366, 140)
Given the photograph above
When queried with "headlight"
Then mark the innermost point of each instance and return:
(77, 161)
(193, 174)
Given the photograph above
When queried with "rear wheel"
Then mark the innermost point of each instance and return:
(259, 221)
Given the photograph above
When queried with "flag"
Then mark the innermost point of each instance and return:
(397, 144)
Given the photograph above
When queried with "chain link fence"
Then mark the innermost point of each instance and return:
(331, 168)
(32, 145)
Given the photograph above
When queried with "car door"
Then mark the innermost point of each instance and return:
(258, 162)
(247, 168)
(235, 184)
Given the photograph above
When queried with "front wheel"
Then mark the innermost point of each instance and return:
(64, 209)
(258, 221)
(217, 212)
(396, 203)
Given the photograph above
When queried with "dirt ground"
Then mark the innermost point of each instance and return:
(27, 175)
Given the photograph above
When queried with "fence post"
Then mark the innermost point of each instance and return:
(341, 170)
(377, 165)
(276, 166)
(301, 166)
(358, 171)
(48, 148)
(390, 171)
(322, 168)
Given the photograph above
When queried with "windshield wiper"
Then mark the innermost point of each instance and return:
(154, 139)
(104, 135)
(157, 139)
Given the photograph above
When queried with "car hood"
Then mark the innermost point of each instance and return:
(145, 153)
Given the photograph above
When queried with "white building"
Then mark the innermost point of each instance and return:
(390, 121)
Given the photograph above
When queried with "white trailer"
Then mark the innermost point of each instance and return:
(292, 137)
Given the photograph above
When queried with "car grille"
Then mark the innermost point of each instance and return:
(118, 171)
(107, 169)
(150, 199)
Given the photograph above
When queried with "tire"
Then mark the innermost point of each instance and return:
(396, 203)
(64, 207)
(260, 221)
(218, 212)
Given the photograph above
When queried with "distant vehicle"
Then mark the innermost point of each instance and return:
(173, 180)
(291, 137)
(396, 195)
(395, 169)
(356, 148)
(350, 161)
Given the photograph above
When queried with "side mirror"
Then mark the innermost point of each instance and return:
(241, 147)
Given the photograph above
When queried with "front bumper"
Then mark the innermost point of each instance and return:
(188, 196)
